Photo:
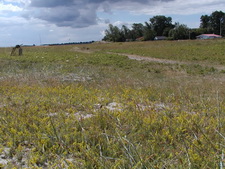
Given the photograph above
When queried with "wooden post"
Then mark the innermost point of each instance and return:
(20, 51)
(13, 51)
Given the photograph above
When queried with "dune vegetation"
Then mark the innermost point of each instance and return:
(91, 106)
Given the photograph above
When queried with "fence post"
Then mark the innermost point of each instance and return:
(20, 51)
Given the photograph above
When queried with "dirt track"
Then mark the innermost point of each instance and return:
(151, 59)
(166, 61)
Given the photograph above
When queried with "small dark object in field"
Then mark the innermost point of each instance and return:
(85, 48)
(14, 50)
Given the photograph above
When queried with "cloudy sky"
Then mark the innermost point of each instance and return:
(56, 21)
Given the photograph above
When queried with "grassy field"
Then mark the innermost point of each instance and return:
(90, 106)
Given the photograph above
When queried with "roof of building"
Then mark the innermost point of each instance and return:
(160, 37)
(210, 35)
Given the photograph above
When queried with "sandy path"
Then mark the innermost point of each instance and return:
(151, 59)
(167, 61)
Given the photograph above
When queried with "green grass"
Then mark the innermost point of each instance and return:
(193, 50)
(63, 108)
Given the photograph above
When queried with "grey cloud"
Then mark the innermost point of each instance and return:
(65, 16)
(54, 3)
(51, 3)
(74, 13)
(137, 1)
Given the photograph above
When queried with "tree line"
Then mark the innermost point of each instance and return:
(162, 26)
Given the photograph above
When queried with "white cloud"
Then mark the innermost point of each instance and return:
(17, 30)
(16, 1)
(9, 7)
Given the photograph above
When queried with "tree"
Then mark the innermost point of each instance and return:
(149, 33)
(205, 21)
(217, 22)
(166, 31)
(180, 31)
(160, 23)
(126, 33)
(197, 31)
(137, 30)
(113, 34)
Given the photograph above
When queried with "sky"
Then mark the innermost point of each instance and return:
(39, 22)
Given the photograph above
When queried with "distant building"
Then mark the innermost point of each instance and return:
(140, 39)
(160, 38)
(208, 36)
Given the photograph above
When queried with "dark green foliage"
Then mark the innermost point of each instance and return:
(149, 34)
(215, 23)
(179, 32)
(198, 31)
(113, 34)
(205, 21)
(160, 24)
(137, 30)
